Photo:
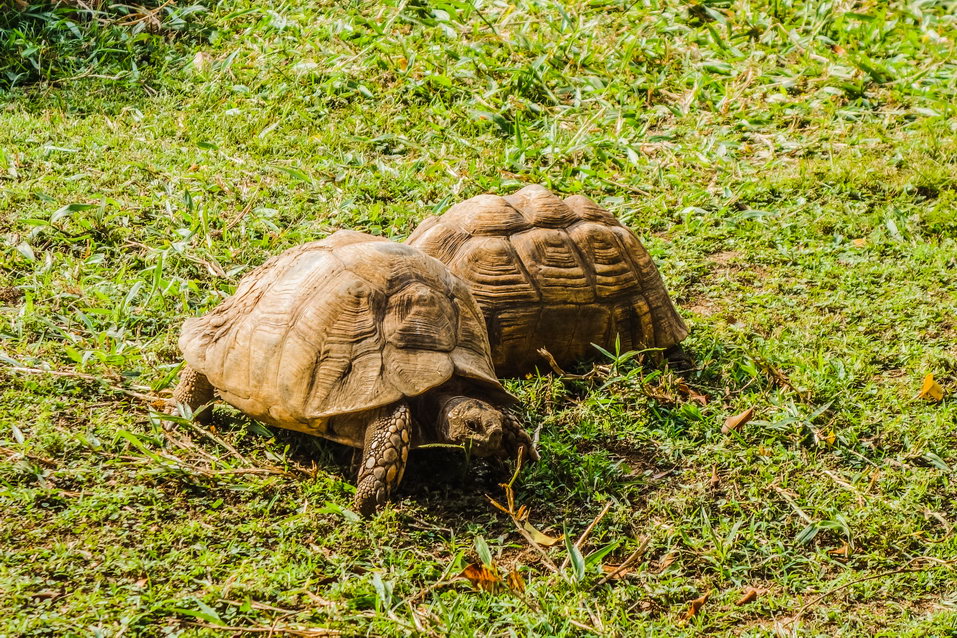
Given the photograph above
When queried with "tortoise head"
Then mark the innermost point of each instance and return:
(477, 425)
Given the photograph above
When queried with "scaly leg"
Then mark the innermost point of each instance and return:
(194, 390)
(388, 439)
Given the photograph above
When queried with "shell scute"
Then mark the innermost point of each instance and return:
(554, 264)
(336, 327)
(572, 276)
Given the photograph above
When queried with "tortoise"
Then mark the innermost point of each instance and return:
(554, 274)
(360, 340)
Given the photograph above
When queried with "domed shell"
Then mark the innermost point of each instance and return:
(552, 273)
(339, 326)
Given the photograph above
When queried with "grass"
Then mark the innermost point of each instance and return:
(791, 165)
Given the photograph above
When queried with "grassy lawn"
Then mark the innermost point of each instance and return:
(792, 166)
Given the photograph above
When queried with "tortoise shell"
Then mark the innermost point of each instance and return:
(554, 274)
(336, 327)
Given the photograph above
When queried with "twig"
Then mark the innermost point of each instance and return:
(38, 459)
(581, 539)
(632, 558)
(258, 605)
(146, 16)
(218, 440)
(290, 631)
(557, 369)
(245, 211)
(89, 377)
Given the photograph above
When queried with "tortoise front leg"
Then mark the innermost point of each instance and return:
(514, 437)
(194, 390)
(387, 443)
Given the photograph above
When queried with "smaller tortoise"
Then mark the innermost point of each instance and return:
(553, 274)
(360, 340)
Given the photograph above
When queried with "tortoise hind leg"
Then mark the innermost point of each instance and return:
(387, 442)
(194, 390)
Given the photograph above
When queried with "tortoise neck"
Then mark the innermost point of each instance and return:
(432, 408)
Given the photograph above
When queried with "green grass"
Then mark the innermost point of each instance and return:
(791, 165)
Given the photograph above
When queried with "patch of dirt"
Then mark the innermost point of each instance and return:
(702, 306)
(724, 257)
(9, 295)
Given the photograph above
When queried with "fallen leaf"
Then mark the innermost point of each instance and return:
(685, 390)
(515, 582)
(483, 577)
(695, 606)
(715, 479)
(542, 539)
(665, 562)
(931, 390)
(200, 62)
(733, 423)
(750, 595)
(611, 569)
(844, 551)
(860, 242)
(828, 438)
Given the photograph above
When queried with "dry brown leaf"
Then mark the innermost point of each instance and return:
(750, 595)
(541, 538)
(685, 390)
(665, 562)
(201, 62)
(930, 390)
(737, 421)
(843, 551)
(611, 569)
(522, 513)
(695, 606)
(515, 582)
(497, 504)
(483, 577)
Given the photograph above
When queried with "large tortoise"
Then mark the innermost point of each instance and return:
(360, 340)
(554, 274)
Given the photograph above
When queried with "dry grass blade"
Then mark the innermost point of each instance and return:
(628, 562)
(312, 632)
(518, 517)
(13, 454)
